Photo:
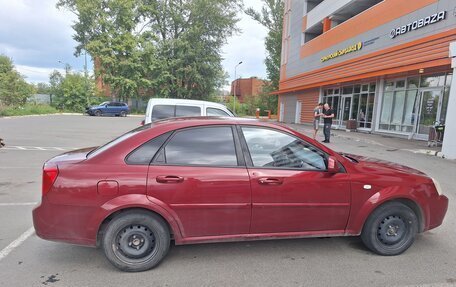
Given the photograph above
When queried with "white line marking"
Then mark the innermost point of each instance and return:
(22, 148)
(16, 243)
(18, 203)
(40, 148)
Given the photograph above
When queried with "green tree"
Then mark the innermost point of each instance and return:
(271, 17)
(42, 88)
(166, 48)
(71, 92)
(14, 90)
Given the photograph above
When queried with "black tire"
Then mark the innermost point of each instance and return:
(390, 229)
(97, 113)
(136, 240)
(123, 114)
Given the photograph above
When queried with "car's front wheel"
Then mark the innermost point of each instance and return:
(136, 241)
(97, 113)
(390, 229)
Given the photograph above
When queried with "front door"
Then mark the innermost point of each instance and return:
(429, 111)
(291, 190)
(198, 175)
(298, 112)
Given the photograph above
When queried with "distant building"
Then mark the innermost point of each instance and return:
(247, 87)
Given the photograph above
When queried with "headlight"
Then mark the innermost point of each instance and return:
(437, 186)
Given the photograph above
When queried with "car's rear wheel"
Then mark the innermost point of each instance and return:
(390, 229)
(98, 113)
(136, 241)
(123, 114)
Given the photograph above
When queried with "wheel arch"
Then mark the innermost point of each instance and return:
(115, 213)
(356, 224)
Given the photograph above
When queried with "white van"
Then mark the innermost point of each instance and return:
(167, 108)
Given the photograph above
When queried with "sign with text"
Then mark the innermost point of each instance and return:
(423, 22)
(356, 47)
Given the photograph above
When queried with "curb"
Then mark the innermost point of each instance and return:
(427, 152)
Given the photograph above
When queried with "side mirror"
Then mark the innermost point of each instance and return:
(333, 165)
(106, 106)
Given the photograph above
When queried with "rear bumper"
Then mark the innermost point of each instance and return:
(63, 223)
(437, 210)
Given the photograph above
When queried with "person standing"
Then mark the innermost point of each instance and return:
(316, 122)
(328, 115)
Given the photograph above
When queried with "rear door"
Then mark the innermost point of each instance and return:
(291, 189)
(200, 173)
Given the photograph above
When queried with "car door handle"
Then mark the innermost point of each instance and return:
(169, 179)
(270, 180)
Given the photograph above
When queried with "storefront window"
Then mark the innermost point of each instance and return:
(347, 90)
(414, 104)
(448, 79)
(443, 112)
(413, 83)
(410, 113)
(355, 105)
(432, 81)
(398, 110)
(400, 84)
(370, 109)
(354, 102)
(389, 86)
(386, 110)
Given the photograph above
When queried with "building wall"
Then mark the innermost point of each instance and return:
(247, 87)
(308, 100)
(372, 29)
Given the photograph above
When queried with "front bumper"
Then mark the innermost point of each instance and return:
(437, 210)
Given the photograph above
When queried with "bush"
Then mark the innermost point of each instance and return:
(27, 109)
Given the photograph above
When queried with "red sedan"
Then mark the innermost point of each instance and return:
(196, 180)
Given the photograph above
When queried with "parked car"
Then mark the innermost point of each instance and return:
(109, 108)
(196, 180)
(158, 109)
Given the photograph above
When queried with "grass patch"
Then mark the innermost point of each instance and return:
(28, 109)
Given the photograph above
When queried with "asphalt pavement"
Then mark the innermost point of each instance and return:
(26, 260)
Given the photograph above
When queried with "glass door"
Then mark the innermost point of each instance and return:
(345, 110)
(429, 111)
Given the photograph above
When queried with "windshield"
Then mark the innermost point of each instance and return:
(103, 103)
(115, 141)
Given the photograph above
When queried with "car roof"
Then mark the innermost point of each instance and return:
(183, 122)
(182, 102)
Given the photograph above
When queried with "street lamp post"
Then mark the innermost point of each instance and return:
(235, 84)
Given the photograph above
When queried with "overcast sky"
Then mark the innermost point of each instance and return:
(38, 37)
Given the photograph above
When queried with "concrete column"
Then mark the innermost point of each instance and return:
(449, 141)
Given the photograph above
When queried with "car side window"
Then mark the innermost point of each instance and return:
(275, 149)
(216, 112)
(187, 111)
(143, 155)
(208, 146)
(162, 112)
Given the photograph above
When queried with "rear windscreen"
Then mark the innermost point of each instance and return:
(162, 112)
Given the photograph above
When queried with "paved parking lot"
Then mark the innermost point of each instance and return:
(304, 262)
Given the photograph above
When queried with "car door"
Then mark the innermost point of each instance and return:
(200, 174)
(291, 189)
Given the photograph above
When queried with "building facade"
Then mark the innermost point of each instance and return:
(246, 87)
(384, 63)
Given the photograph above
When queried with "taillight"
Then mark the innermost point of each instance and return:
(50, 173)
(143, 122)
